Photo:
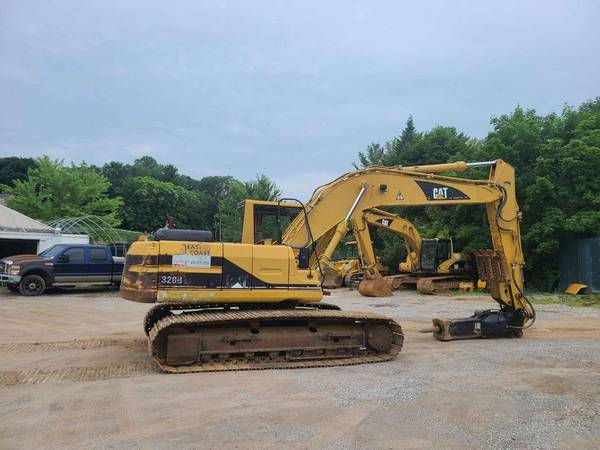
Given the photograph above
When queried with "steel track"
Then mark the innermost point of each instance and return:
(266, 359)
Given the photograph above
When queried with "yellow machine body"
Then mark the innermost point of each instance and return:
(215, 272)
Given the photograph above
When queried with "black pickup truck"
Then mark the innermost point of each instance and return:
(61, 265)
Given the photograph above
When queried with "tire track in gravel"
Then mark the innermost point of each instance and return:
(75, 374)
(91, 344)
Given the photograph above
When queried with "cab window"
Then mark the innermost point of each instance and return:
(443, 252)
(429, 255)
(75, 255)
(97, 254)
(270, 221)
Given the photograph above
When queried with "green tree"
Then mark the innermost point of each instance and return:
(399, 147)
(147, 166)
(230, 214)
(116, 173)
(393, 152)
(561, 198)
(216, 189)
(149, 202)
(262, 188)
(169, 173)
(556, 157)
(14, 168)
(53, 191)
(374, 155)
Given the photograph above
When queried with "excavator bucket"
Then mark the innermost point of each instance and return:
(331, 278)
(374, 285)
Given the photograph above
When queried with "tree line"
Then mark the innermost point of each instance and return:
(557, 163)
(556, 157)
(141, 196)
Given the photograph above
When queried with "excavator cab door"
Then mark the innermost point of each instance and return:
(444, 250)
(429, 255)
(434, 252)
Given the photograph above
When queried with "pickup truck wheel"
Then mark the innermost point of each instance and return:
(32, 285)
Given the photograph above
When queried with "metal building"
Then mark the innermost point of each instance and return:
(579, 262)
(20, 234)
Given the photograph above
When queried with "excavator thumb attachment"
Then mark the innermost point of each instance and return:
(374, 285)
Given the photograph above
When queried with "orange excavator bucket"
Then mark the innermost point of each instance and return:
(374, 285)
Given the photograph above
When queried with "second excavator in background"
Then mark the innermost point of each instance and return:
(431, 265)
(348, 272)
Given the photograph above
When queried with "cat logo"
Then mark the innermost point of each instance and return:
(385, 222)
(437, 191)
(399, 196)
(440, 193)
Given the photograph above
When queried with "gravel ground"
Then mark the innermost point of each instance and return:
(74, 373)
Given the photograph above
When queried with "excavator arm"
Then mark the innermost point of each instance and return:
(334, 272)
(378, 186)
(394, 223)
(339, 205)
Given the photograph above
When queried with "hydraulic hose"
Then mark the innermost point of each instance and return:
(533, 316)
(310, 235)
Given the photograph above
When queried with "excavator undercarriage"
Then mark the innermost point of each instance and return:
(251, 336)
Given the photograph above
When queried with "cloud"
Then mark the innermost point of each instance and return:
(301, 185)
(297, 89)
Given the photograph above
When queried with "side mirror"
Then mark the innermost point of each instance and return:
(63, 259)
(304, 258)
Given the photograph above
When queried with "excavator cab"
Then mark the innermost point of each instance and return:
(265, 220)
(434, 252)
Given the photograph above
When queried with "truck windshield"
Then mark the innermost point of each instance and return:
(53, 251)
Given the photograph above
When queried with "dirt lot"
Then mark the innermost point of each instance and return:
(74, 374)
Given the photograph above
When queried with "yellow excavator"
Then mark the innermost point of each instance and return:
(348, 271)
(431, 265)
(337, 272)
(231, 306)
(425, 257)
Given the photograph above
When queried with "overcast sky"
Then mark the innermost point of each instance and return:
(290, 89)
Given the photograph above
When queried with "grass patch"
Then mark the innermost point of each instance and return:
(566, 299)
(545, 299)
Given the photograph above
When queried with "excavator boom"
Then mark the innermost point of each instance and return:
(339, 204)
